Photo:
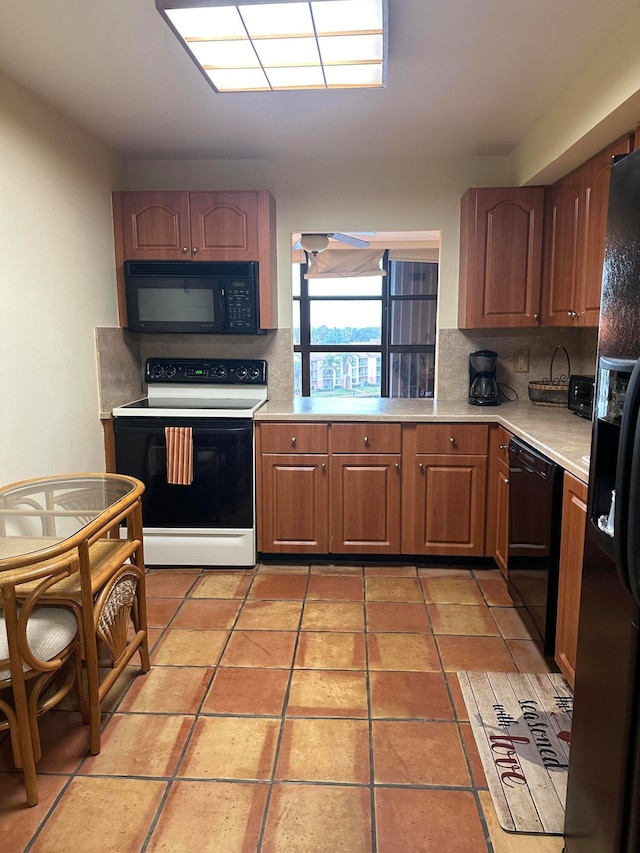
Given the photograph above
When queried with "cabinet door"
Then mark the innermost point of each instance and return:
(449, 510)
(502, 517)
(562, 252)
(365, 504)
(293, 510)
(596, 178)
(500, 257)
(224, 226)
(574, 520)
(155, 226)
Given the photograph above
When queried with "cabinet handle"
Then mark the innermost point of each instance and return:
(536, 316)
(421, 466)
(185, 249)
(324, 466)
(398, 467)
(366, 439)
(503, 447)
(452, 440)
(194, 250)
(506, 482)
(293, 439)
(572, 314)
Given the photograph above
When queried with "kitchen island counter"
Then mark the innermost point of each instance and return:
(558, 433)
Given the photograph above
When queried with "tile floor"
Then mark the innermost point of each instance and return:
(289, 709)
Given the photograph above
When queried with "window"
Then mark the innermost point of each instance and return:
(366, 337)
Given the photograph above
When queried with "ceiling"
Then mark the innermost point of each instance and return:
(465, 77)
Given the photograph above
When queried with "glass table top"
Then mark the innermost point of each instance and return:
(41, 513)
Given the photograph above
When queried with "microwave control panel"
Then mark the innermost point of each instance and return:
(239, 302)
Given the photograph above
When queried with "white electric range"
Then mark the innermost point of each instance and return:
(209, 520)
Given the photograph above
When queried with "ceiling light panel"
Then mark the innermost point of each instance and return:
(294, 51)
(339, 16)
(258, 46)
(278, 19)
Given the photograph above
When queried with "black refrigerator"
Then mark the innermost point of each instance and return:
(603, 795)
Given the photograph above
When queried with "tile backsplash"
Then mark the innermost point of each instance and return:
(455, 345)
(121, 356)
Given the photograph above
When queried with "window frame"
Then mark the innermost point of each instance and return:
(385, 348)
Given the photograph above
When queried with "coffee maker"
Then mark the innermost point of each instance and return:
(483, 387)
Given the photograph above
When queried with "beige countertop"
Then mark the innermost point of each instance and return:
(558, 433)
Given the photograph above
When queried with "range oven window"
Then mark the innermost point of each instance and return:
(221, 493)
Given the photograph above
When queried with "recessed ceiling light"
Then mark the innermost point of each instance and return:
(268, 45)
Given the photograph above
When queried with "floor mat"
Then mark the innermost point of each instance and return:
(522, 726)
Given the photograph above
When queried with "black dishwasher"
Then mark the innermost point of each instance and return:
(535, 509)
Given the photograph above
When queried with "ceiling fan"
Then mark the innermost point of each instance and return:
(315, 243)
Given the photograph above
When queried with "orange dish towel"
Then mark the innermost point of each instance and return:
(179, 442)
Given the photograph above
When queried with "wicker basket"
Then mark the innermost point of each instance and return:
(553, 391)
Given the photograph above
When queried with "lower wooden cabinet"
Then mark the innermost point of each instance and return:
(293, 488)
(449, 508)
(574, 520)
(365, 504)
(497, 516)
(293, 503)
(445, 471)
(371, 488)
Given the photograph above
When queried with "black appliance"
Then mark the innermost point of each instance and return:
(603, 796)
(483, 387)
(581, 390)
(203, 297)
(535, 506)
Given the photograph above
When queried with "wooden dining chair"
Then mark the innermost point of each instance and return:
(36, 641)
(105, 588)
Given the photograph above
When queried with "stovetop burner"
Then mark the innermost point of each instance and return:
(200, 388)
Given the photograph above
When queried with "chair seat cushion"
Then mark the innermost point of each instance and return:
(49, 632)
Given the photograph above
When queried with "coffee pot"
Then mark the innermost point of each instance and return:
(483, 387)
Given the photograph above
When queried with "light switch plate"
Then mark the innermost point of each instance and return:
(521, 360)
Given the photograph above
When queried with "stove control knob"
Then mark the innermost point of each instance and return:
(157, 370)
(220, 372)
(241, 372)
(254, 372)
(170, 370)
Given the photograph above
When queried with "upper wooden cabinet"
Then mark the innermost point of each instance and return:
(200, 226)
(575, 228)
(500, 257)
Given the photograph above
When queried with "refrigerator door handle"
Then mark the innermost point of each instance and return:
(627, 485)
(633, 520)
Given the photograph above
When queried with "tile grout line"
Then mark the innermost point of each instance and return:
(372, 781)
(200, 714)
(283, 715)
(197, 715)
(76, 772)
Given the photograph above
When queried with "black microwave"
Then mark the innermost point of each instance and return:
(193, 297)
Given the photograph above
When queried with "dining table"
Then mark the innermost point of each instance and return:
(92, 523)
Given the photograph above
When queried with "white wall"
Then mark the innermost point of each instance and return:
(601, 104)
(343, 195)
(57, 282)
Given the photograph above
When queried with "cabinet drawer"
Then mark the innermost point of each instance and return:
(452, 438)
(365, 438)
(293, 438)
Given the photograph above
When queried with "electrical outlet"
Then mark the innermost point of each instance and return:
(521, 361)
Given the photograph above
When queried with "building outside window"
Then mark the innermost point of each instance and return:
(368, 336)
